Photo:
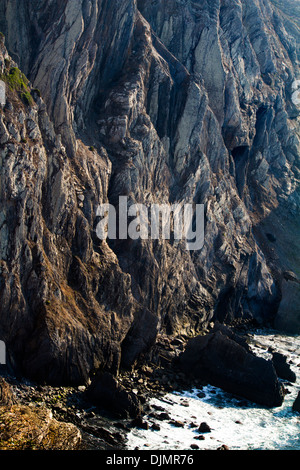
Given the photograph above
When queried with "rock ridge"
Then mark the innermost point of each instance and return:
(163, 102)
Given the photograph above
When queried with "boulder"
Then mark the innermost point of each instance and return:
(176, 423)
(138, 422)
(296, 405)
(155, 427)
(204, 427)
(6, 395)
(106, 392)
(225, 363)
(282, 368)
(227, 331)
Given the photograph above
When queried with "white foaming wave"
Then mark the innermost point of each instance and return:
(239, 424)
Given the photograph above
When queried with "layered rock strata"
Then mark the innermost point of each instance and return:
(162, 102)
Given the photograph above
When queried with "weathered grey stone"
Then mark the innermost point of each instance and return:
(165, 102)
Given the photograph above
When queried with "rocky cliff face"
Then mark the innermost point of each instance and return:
(163, 102)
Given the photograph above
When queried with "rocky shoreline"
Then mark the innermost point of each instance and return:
(104, 427)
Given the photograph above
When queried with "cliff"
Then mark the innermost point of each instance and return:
(163, 102)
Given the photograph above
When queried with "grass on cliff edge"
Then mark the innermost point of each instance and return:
(17, 82)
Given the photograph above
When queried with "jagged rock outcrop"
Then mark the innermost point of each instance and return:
(32, 427)
(224, 362)
(55, 289)
(162, 102)
(283, 369)
(107, 393)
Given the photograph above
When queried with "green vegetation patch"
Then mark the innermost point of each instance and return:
(17, 82)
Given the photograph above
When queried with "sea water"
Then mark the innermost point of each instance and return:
(234, 422)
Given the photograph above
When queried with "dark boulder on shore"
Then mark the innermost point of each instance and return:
(224, 362)
(227, 331)
(106, 392)
(296, 405)
(282, 368)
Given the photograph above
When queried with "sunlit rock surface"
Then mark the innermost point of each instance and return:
(162, 102)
